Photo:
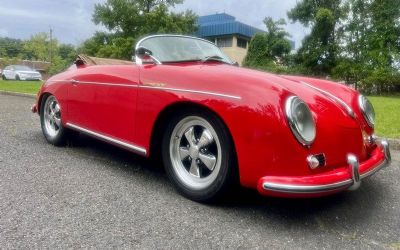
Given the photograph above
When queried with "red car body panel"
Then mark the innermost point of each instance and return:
(124, 102)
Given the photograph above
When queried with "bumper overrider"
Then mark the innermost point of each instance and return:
(345, 178)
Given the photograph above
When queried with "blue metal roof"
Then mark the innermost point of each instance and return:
(223, 24)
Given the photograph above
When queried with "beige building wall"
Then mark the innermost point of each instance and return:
(235, 53)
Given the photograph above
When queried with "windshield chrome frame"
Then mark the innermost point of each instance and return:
(140, 62)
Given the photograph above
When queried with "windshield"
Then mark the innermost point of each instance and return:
(22, 68)
(180, 48)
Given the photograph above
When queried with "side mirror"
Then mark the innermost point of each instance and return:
(145, 54)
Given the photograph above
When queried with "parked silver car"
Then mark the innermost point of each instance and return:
(20, 73)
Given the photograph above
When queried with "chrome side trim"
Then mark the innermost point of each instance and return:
(109, 84)
(350, 184)
(190, 91)
(73, 81)
(334, 98)
(304, 189)
(117, 142)
(151, 87)
(59, 81)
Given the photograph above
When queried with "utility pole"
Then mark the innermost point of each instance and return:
(51, 46)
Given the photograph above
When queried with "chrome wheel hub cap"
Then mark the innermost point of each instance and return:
(195, 152)
(52, 116)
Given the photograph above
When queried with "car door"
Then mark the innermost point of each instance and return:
(13, 73)
(102, 99)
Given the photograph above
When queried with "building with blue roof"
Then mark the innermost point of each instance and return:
(231, 36)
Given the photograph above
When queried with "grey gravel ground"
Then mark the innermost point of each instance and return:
(90, 194)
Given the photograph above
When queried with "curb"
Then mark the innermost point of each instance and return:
(4, 92)
(394, 144)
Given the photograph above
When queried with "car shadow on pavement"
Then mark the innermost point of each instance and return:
(354, 206)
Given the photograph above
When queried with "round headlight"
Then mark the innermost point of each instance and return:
(367, 110)
(300, 120)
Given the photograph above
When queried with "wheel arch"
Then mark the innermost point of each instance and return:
(41, 98)
(167, 112)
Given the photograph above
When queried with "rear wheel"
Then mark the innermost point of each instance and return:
(17, 78)
(199, 156)
(50, 118)
(4, 77)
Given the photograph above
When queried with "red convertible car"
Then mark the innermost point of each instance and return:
(214, 124)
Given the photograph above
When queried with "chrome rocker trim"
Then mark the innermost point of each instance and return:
(105, 138)
(351, 184)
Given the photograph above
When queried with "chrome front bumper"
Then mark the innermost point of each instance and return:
(350, 184)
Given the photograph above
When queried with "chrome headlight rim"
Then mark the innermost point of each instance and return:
(293, 124)
(362, 102)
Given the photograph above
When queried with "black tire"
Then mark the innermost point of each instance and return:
(58, 139)
(4, 77)
(227, 177)
(17, 78)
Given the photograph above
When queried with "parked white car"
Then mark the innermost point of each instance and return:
(20, 73)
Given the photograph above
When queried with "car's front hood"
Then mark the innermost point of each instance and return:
(250, 84)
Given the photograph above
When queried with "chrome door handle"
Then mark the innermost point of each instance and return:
(73, 81)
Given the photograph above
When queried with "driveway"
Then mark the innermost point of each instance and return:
(90, 194)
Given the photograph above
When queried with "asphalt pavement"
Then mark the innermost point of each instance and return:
(92, 195)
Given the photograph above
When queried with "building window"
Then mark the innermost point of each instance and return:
(210, 39)
(242, 43)
(224, 42)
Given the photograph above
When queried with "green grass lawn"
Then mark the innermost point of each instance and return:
(29, 87)
(387, 110)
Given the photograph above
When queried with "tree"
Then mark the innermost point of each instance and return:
(318, 53)
(257, 54)
(119, 47)
(269, 48)
(38, 47)
(10, 47)
(92, 45)
(136, 18)
(371, 52)
(150, 4)
(352, 65)
(67, 52)
(127, 20)
(384, 44)
(277, 38)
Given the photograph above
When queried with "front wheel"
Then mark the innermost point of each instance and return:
(199, 157)
(50, 119)
(17, 78)
(4, 77)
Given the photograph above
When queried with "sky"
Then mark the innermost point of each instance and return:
(71, 21)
